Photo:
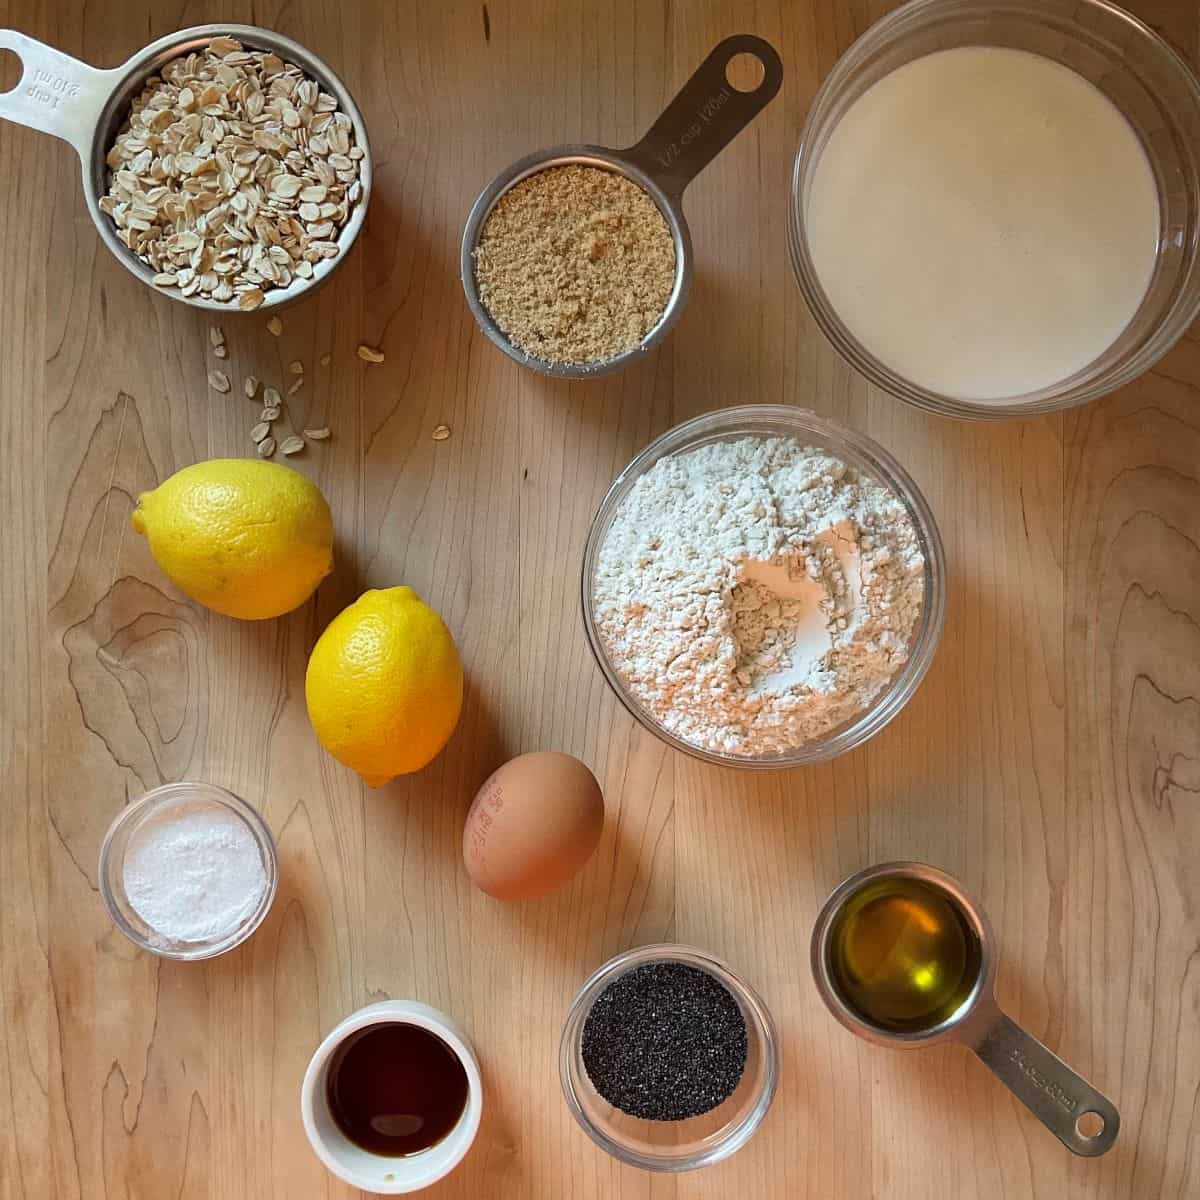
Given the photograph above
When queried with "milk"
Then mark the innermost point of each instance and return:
(984, 221)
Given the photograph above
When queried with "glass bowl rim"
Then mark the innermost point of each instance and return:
(794, 421)
(182, 789)
(758, 1016)
(894, 26)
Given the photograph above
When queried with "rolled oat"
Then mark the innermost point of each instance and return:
(207, 176)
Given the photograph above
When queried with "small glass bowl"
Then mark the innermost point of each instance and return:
(1149, 83)
(112, 868)
(855, 450)
(672, 1145)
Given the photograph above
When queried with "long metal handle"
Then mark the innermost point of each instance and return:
(57, 94)
(706, 116)
(1085, 1121)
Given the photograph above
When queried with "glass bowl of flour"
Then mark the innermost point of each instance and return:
(763, 587)
(188, 871)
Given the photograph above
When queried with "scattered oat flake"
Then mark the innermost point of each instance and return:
(250, 387)
(271, 397)
(218, 381)
(249, 301)
(270, 413)
(291, 445)
(441, 433)
(296, 367)
(275, 326)
(260, 431)
(216, 336)
(317, 435)
(296, 386)
(266, 447)
(220, 351)
(370, 354)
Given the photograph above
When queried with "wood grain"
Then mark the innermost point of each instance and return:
(1051, 759)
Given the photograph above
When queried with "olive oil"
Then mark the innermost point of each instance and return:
(902, 955)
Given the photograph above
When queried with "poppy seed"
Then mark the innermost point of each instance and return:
(665, 1041)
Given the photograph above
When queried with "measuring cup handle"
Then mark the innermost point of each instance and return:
(56, 94)
(1059, 1098)
(706, 116)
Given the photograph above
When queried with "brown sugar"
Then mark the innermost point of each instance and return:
(575, 264)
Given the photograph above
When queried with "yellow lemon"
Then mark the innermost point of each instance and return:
(385, 685)
(244, 537)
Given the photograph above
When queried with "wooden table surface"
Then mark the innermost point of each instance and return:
(1051, 759)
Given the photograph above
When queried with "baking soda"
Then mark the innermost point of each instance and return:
(193, 872)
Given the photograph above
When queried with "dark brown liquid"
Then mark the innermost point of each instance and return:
(396, 1089)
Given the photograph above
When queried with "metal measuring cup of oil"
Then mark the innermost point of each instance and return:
(706, 115)
(903, 956)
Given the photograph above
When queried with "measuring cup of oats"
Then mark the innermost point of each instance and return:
(903, 956)
(576, 260)
(224, 165)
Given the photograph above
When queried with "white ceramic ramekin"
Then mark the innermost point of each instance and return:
(375, 1172)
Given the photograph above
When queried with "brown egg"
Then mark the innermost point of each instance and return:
(532, 826)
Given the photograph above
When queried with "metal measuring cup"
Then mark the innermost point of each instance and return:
(86, 106)
(1085, 1121)
(706, 115)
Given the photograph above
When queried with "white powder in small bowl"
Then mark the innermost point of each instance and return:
(193, 871)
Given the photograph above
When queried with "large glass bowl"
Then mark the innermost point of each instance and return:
(672, 1145)
(855, 450)
(1147, 81)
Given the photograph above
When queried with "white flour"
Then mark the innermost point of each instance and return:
(758, 594)
(193, 871)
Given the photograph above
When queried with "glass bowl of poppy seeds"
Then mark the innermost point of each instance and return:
(668, 1060)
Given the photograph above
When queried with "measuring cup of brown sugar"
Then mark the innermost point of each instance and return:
(903, 956)
(621, 267)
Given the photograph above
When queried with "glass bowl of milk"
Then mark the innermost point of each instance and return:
(996, 204)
